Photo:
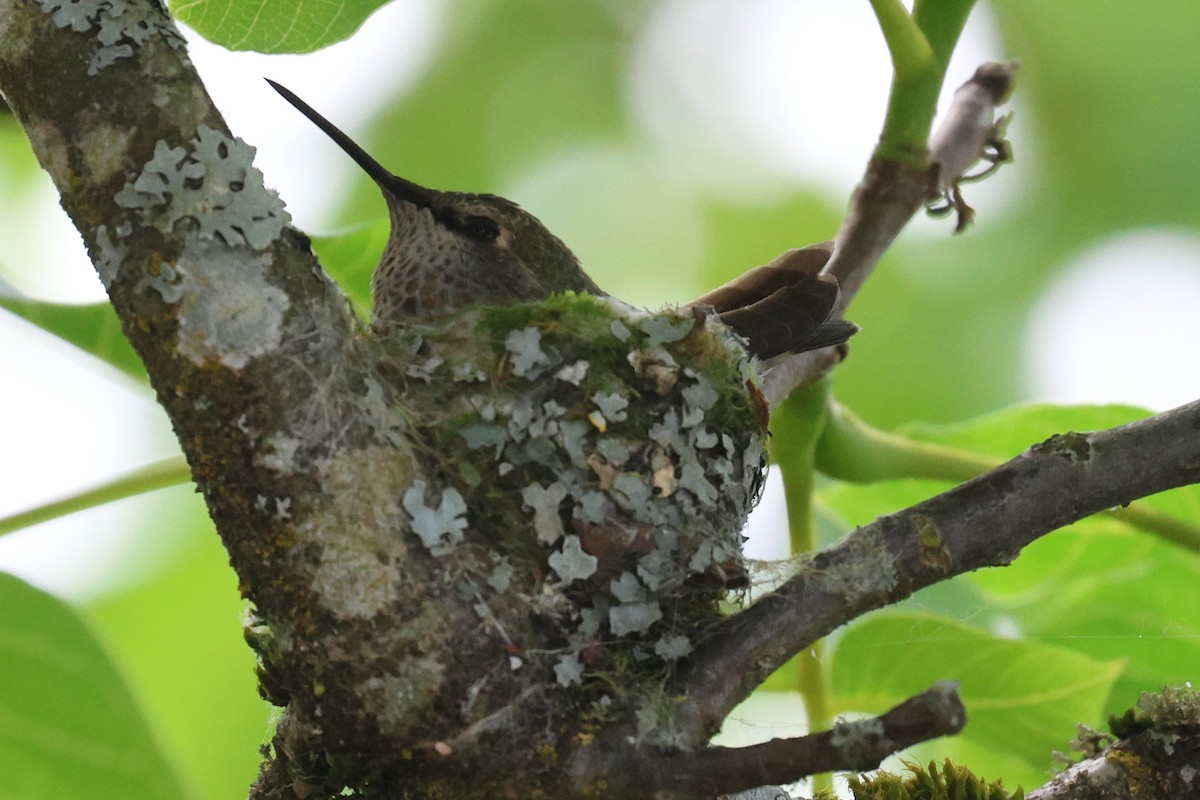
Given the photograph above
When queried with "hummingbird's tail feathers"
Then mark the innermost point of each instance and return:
(761, 282)
(785, 306)
(792, 319)
(835, 331)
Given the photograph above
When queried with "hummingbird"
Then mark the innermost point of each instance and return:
(449, 251)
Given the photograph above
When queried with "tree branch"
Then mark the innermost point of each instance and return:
(427, 524)
(853, 746)
(1154, 759)
(984, 522)
(890, 193)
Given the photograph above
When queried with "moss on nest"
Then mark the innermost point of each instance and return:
(628, 445)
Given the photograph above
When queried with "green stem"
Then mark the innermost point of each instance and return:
(158, 475)
(920, 45)
(796, 428)
(910, 50)
(813, 683)
(1164, 526)
(851, 450)
(942, 22)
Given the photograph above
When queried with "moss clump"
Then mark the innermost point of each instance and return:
(1173, 707)
(951, 782)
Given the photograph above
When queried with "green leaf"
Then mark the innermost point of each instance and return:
(69, 726)
(1009, 431)
(195, 674)
(1023, 698)
(93, 328)
(1108, 592)
(275, 26)
(1098, 587)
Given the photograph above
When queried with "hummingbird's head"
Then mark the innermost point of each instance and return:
(452, 250)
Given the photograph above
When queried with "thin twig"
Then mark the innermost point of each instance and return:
(147, 478)
(889, 195)
(852, 746)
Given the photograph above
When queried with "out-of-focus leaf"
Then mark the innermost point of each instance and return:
(275, 26)
(503, 93)
(1098, 587)
(1023, 698)
(69, 726)
(195, 674)
(1090, 65)
(93, 328)
(1107, 591)
(1007, 432)
(350, 257)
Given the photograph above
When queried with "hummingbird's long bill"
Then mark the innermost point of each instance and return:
(403, 189)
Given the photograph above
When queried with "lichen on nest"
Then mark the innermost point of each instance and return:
(627, 443)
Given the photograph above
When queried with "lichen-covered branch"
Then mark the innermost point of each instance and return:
(474, 546)
(984, 522)
(1153, 754)
(853, 746)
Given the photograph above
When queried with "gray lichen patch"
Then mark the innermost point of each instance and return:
(633, 617)
(524, 346)
(279, 453)
(109, 256)
(119, 26)
(358, 531)
(569, 670)
(867, 567)
(214, 183)
(104, 147)
(228, 311)
(1074, 447)
(439, 524)
(851, 736)
(571, 563)
(673, 648)
(545, 500)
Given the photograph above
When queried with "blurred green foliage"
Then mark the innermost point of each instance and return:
(1084, 620)
(70, 724)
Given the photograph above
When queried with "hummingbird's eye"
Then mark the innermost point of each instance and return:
(482, 229)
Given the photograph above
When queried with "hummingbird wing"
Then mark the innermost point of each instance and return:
(760, 282)
(785, 306)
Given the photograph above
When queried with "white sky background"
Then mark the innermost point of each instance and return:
(696, 89)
